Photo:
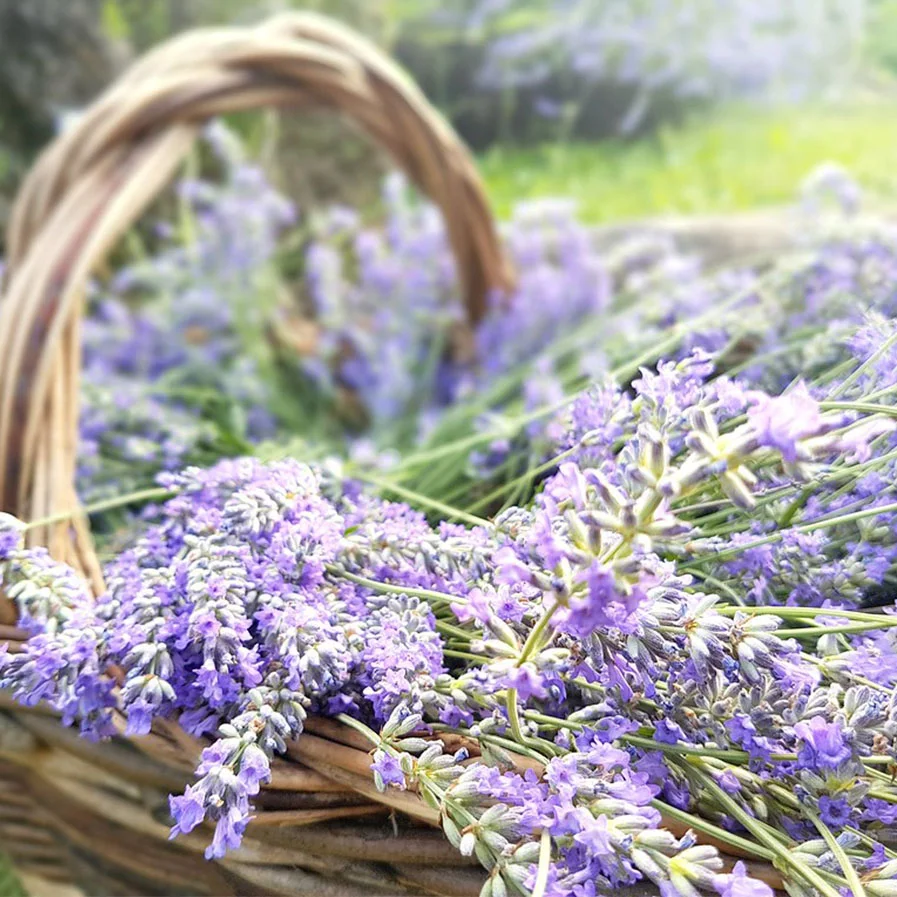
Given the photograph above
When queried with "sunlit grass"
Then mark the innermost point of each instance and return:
(718, 162)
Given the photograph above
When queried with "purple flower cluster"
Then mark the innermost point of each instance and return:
(171, 345)
(843, 564)
(834, 297)
(387, 304)
(177, 361)
(594, 803)
(570, 802)
(222, 615)
(62, 663)
(609, 639)
(817, 300)
(566, 633)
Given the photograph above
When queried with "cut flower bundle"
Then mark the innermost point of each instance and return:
(569, 684)
(600, 636)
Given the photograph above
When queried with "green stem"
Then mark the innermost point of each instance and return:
(514, 715)
(156, 493)
(689, 750)
(797, 505)
(535, 636)
(504, 743)
(386, 588)
(495, 494)
(789, 613)
(853, 880)
(552, 721)
(463, 655)
(360, 727)
(708, 828)
(782, 853)
(862, 407)
(544, 864)
(852, 378)
(824, 523)
(816, 631)
(423, 500)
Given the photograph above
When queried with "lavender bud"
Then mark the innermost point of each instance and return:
(657, 839)
(736, 490)
(483, 854)
(496, 842)
(452, 832)
(881, 888)
(647, 865)
(526, 853)
(412, 745)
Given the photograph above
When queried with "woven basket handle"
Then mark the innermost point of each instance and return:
(93, 182)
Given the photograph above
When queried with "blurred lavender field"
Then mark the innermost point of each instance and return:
(595, 67)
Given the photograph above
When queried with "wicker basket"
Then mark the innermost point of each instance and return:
(96, 814)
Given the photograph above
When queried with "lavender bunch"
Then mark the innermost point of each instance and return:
(62, 662)
(562, 635)
(173, 367)
(221, 616)
(842, 564)
(609, 626)
(175, 370)
(128, 433)
(792, 319)
(387, 306)
(171, 346)
(183, 329)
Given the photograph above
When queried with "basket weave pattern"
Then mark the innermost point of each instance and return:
(96, 814)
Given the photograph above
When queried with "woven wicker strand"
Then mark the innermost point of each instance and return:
(96, 814)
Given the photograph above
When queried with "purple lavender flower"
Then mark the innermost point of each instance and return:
(164, 358)
(10, 536)
(830, 181)
(563, 50)
(835, 812)
(739, 884)
(781, 422)
(387, 771)
(822, 744)
(526, 680)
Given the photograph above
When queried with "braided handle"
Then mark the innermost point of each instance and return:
(94, 181)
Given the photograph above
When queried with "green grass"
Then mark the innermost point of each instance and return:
(723, 161)
(9, 884)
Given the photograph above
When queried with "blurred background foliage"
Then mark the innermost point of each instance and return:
(636, 107)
